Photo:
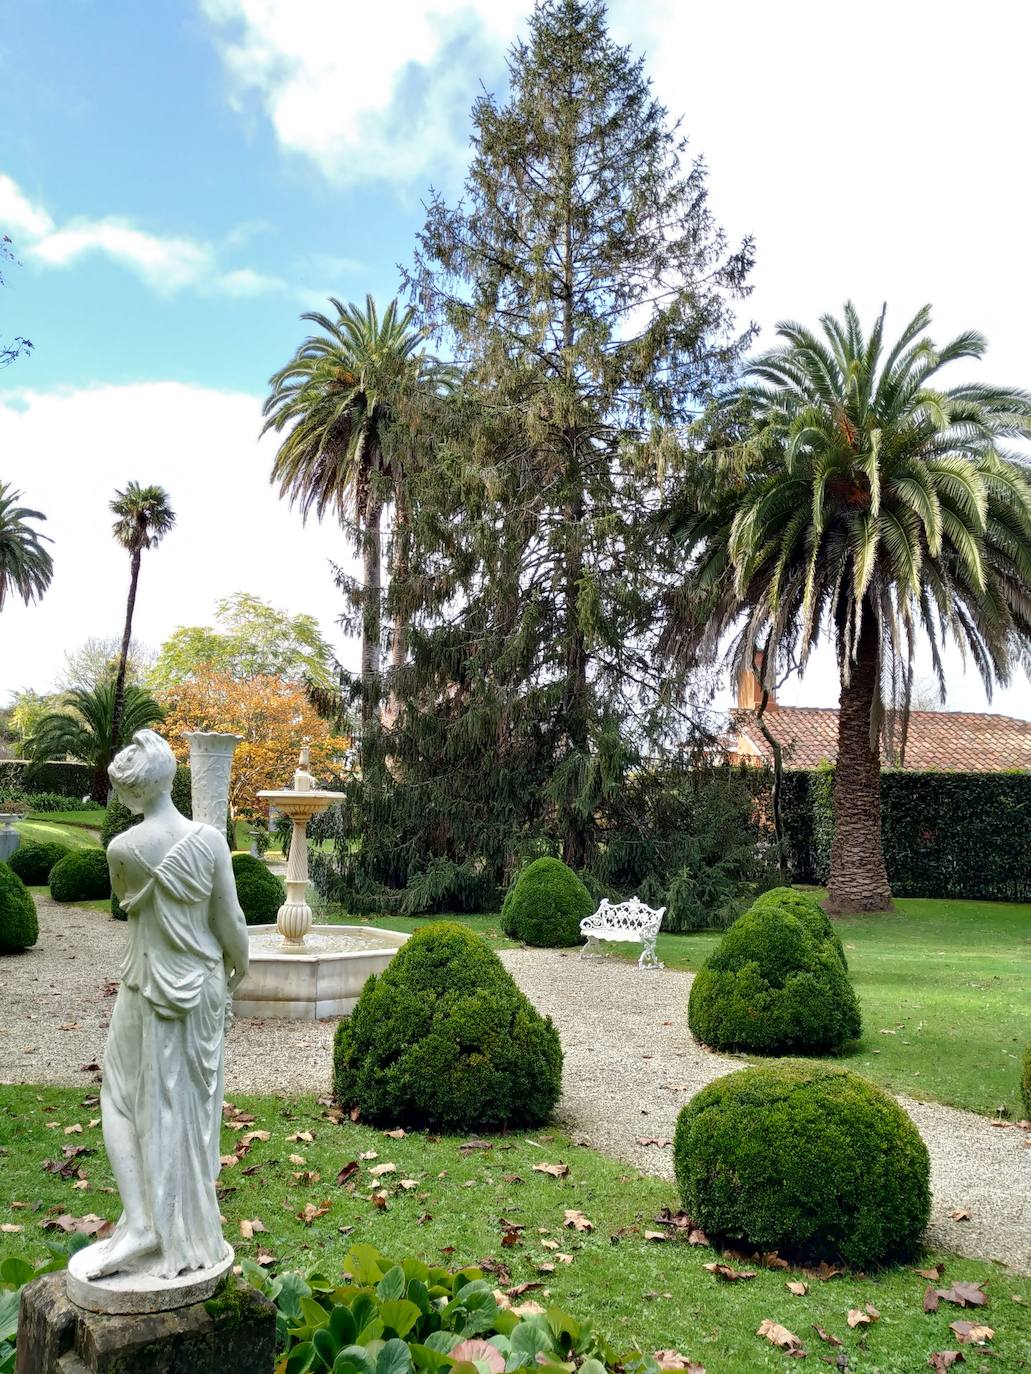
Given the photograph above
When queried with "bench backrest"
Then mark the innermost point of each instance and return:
(632, 915)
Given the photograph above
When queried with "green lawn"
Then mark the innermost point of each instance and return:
(655, 1293)
(53, 827)
(92, 820)
(943, 987)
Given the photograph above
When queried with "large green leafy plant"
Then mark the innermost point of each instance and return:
(408, 1317)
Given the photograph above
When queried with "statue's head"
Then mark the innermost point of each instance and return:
(142, 770)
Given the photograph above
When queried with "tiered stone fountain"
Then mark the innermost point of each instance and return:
(300, 970)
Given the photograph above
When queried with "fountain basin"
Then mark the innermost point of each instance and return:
(325, 980)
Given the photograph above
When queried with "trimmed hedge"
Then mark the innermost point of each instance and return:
(19, 928)
(67, 779)
(261, 893)
(804, 1159)
(1025, 1082)
(444, 1039)
(545, 905)
(34, 860)
(959, 835)
(776, 983)
(81, 876)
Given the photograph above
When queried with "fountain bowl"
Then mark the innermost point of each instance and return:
(325, 980)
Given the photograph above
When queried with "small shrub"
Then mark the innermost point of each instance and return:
(260, 892)
(545, 905)
(805, 1159)
(444, 1039)
(34, 861)
(776, 983)
(1025, 1082)
(19, 928)
(43, 802)
(81, 876)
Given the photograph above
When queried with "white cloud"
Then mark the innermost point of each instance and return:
(365, 91)
(233, 532)
(163, 262)
(18, 215)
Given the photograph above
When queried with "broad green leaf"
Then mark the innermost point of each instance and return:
(342, 1325)
(327, 1345)
(392, 1285)
(425, 1357)
(394, 1358)
(16, 1271)
(312, 1313)
(399, 1316)
(444, 1341)
(301, 1358)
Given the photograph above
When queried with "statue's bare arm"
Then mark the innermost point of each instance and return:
(227, 919)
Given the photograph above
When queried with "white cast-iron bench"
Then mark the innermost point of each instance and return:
(630, 922)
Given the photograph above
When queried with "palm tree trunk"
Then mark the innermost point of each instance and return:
(858, 878)
(372, 578)
(123, 660)
(399, 573)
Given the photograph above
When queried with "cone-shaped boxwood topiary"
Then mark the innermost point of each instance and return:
(545, 905)
(444, 1039)
(18, 925)
(1025, 1082)
(34, 861)
(260, 892)
(776, 983)
(81, 876)
(806, 1159)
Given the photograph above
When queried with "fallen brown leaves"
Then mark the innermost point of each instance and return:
(862, 1317)
(962, 1294)
(728, 1273)
(781, 1337)
(555, 1170)
(941, 1360)
(971, 1333)
(672, 1359)
(577, 1220)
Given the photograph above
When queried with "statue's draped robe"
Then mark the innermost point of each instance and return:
(163, 1067)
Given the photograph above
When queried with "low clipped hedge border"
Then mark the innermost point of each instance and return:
(545, 905)
(260, 892)
(1025, 1082)
(443, 1039)
(808, 1160)
(19, 927)
(68, 779)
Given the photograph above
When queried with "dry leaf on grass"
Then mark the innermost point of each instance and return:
(378, 1170)
(932, 1274)
(252, 1136)
(347, 1172)
(297, 1159)
(728, 1273)
(369, 1154)
(825, 1335)
(799, 1289)
(940, 1360)
(312, 1213)
(89, 1225)
(9, 1229)
(971, 1333)
(963, 1294)
(306, 1136)
(656, 1235)
(857, 1317)
(577, 1220)
(781, 1337)
(397, 1134)
(249, 1228)
(672, 1359)
(555, 1170)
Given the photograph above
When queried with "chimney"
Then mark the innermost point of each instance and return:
(749, 687)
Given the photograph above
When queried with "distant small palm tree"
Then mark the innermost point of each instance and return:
(85, 728)
(25, 566)
(338, 398)
(145, 516)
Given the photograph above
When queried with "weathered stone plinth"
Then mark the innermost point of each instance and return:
(237, 1336)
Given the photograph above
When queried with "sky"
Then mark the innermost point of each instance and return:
(182, 179)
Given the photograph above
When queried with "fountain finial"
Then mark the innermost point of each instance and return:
(303, 780)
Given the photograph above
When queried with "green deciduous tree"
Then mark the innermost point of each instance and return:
(863, 502)
(144, 515)
(85, 728)
(250, 638)
(585, 290)
(26, 567)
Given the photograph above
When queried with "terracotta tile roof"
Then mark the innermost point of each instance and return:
(943, 741)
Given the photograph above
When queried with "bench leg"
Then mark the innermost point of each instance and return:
(649, 959)
(592, 949)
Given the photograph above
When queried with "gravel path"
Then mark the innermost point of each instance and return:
(630, 1066)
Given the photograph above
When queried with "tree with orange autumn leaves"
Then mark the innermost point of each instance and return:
(274, 717)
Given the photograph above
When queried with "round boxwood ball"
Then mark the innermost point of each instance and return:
(19, 928)
(443, 1039)
(807, 910)
(34, 861)
(1025, 1082)
(806, 1159)
(775, 984)
(545, 905)
(81, 876)
(260, 892)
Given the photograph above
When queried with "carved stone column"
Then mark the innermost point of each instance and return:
(211, 762)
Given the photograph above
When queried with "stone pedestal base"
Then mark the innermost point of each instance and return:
(55, 1336)
(124, 1293)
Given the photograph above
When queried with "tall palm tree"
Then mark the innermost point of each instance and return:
(85, 728)
(144, 517)
(25, 566)
(864, 502)
(338, 399)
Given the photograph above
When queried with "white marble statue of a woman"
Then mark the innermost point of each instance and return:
(163, 1067)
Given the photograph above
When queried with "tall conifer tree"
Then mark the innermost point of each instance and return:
(585, 288)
